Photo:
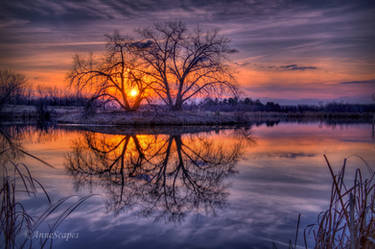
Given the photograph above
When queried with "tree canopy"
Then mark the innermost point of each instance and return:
(112, 77)
(182, 63)
(167, 61)
(11, 85)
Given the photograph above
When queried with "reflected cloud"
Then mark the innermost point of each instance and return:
(288, 155)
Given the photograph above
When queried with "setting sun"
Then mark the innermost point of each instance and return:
(134, 92)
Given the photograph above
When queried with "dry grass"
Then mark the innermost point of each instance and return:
(16, 224)
(349, 221)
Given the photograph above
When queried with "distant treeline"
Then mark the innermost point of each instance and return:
(54, 98)
(48, 96)
(249, 105)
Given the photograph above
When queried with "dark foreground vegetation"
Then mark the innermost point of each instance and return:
(349, 221)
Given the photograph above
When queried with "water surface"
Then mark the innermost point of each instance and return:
(191, 188)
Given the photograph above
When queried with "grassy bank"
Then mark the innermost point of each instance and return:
(76, 115)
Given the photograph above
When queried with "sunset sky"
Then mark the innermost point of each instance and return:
(288, 51)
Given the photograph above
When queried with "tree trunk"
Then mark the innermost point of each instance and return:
(136, 104)
(178, 105)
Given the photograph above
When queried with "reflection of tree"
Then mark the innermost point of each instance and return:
(162, 175)
(11, 138)
(10, 144)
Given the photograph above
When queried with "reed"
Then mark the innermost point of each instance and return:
(16, 223)
(349, 221)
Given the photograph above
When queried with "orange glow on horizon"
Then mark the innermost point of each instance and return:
(322, 83)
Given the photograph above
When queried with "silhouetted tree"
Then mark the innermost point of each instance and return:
(248, 101)
(11, 85)
(113, 78)
(183, 64)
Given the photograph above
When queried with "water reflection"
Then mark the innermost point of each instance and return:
(160, 176)
(12, 140)
(10, 144)
(276, 177)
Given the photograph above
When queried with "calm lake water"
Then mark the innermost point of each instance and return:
(168, 188)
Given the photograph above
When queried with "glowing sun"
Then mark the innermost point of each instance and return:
(133, 92)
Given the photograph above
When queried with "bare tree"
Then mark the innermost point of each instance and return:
(111, 78)
(11, 85)
(183, 64)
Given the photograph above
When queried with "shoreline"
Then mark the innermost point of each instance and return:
(75, 116)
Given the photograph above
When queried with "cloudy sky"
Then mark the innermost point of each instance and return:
(289, 51)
